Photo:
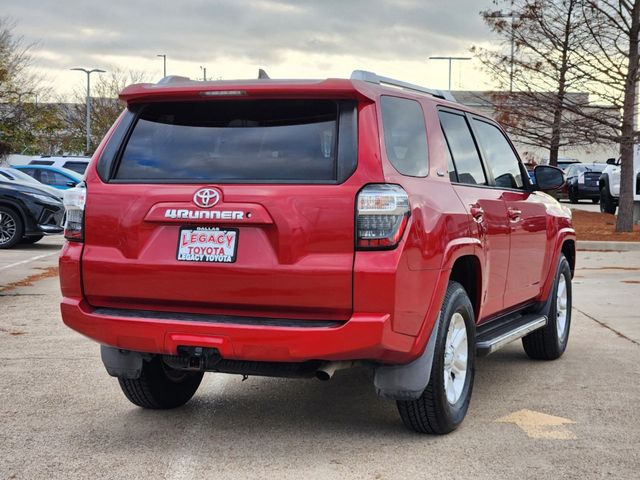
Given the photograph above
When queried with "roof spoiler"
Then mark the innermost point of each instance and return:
(371, 77)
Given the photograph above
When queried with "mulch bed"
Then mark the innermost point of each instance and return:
(27, 282)
(601, 227)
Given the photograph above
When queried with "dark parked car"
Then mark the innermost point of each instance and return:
(15, 175)
(27, 213)
(582, 181)
(565, 163)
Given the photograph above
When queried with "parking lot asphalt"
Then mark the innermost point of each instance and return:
(61, 416)
(24, 261)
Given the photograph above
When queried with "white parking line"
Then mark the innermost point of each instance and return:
(28, 260)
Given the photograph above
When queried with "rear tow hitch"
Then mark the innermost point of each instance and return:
(193, 358)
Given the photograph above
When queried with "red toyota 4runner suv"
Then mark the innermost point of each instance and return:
(294, 228)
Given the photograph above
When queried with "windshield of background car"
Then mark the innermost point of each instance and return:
(75, 166)
(15, 174)
(575, 170)
(226, 141)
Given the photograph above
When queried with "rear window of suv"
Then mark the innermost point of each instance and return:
(405, 135)
(234, 141)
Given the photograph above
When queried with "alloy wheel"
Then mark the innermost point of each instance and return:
(561, 307)
(455, 358)
(7, 228)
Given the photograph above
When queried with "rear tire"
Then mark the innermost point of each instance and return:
(607, 203)
(160, 386)
(550, 342)
(11, 227)
(444, 403)
(573, 197)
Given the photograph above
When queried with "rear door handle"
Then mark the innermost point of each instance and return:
(514, 214)
(477, 212)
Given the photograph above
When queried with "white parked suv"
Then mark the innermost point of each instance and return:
(77, 164)
(609, 185)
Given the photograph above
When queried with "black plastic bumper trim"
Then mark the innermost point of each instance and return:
(224, 319)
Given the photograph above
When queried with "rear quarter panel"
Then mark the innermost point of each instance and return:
(559, 231)
(413, 278)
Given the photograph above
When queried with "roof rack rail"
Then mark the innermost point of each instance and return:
(377, 79)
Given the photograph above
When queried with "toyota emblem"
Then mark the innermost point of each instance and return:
(207, 197)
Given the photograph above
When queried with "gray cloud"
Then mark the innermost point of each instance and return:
(257, 31)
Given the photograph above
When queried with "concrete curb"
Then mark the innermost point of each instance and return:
(609, 246)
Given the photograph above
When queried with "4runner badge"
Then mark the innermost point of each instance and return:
(207, 197)
(187, 214)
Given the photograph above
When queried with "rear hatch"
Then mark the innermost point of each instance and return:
(234, 206)
(591, 178)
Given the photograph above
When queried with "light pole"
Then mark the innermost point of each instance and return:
(164, 64)
(450, 60)
(513, 16)
(88, 72)
(204, 73)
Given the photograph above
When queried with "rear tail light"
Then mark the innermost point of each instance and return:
(74, 200)
(581, 178)
(381, 217)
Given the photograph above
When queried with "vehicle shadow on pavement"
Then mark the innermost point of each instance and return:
(36, 247)
(345, 403)
(289, 410)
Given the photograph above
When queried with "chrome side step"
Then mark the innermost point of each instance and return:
(496, 335)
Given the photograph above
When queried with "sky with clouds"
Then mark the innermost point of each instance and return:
(233, 38)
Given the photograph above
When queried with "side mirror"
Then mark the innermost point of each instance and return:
(548, 178)
(71, 184)
(611, 161)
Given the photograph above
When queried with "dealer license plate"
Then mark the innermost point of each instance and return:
(207, 244)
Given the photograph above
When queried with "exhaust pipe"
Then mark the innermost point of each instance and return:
(327, 369)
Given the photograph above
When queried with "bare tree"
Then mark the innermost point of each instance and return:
(19, 87)
(105, 106)
(4, 151)
(540, 39)
(16, 80)
(611, 66)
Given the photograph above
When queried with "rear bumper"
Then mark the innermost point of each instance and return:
(588, 192)
(50, 229)
(363, 337)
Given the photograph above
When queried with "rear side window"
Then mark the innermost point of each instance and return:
(499, 155)
(78, 167)
(41, 162)
(405, 135)
(234, 141)
(462, 148)
(453, 175)
(54, 178)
